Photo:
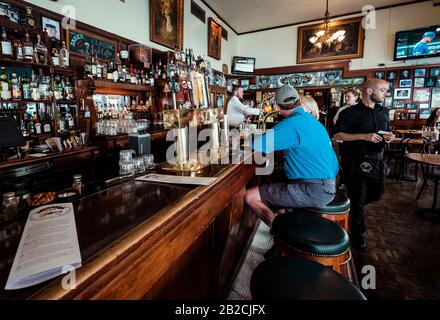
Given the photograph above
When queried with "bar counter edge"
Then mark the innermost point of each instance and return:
(189, 250)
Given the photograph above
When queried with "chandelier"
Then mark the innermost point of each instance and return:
(325, 37)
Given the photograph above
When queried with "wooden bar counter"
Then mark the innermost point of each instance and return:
(142, 240)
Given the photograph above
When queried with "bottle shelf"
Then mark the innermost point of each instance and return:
(27, 101)
(101, 84)
(52, 69)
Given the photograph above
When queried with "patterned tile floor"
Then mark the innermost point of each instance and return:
(403, 247)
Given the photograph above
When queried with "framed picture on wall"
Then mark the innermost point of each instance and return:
(424, 113)
(412, 105)
(402, 94)
(434, 72)
(347, 41)
(392, 75)
(379, 74)
(422, 95)
(166, 23)
(420, 72)
(431, 82)
(435, 98)
(214, 39)
(53, 28)
(423, 105)
(405, 83)
(398, 104)
(405, 74)
(419, 82)
(388, 102)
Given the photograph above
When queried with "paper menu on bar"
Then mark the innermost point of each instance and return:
(163, 178)
(48, 247)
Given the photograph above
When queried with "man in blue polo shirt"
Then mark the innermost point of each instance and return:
(310, 164)
(421, 48)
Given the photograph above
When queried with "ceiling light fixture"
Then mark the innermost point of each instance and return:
(324, 37)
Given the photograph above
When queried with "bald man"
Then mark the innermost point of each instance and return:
(365, 128)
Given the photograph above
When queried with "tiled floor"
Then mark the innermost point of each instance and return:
(404, 248)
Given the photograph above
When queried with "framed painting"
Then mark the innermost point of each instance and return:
(166, 23)
(347, 41)
(214, 39)
(422, 95)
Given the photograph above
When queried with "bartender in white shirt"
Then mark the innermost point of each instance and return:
(237, 111)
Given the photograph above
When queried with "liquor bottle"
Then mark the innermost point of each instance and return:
(6, 45)
(69, 119)
(98, 69)
(116, 69)
(64, 56)
(28, 48)
(47, 126)
(16, 87)
(188, 58)
(41, 51)
(37, 124)
(61, 123)
(58, 88)
(5, 85)
(88, 67)
(55, 58)
(110, 71)
(124, 54)
(156, 74)
(26, 88)
(94, 69)
(69, 90)
(133, 79)
(35, 92)
(104, 71)
(29, 20)
(18, 50)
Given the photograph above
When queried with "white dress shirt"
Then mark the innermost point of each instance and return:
(237, 111)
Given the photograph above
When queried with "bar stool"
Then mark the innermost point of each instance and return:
(338, 210)
(295, 278)
(305, 234)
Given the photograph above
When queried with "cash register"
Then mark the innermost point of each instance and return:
(11, 139)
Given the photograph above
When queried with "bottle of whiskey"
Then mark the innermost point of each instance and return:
(47, 125)
(94, 69)
(6, 45)
(41, 51)
(98, 69)
(26, 88)
(69, 119)
(55, 57)
(29, 20)
(5, 85)
(124, 53)
(37, 124)
(18, 50)
(69, 90)
(16, 87)
(64, 56)
(28, 48)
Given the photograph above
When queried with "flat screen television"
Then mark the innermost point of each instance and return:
(417, 43)
(10, 136)
(243, 66)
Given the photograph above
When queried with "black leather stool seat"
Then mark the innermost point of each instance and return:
(340, 204)
(295, 278)
(308, 232)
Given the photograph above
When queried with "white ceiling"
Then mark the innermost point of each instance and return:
(251, 15)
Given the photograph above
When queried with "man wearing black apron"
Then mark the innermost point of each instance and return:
(365, 128)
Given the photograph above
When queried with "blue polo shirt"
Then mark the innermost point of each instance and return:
(308, 150)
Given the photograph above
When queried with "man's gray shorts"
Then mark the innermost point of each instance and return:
(315, 193)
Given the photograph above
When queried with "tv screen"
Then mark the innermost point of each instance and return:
(243, 65)
(417, 43)
(10, 136)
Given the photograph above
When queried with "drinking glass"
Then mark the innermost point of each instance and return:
(139, 166)
(149, 161)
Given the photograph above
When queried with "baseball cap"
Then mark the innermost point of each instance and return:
(286, 95)
(429, 34)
